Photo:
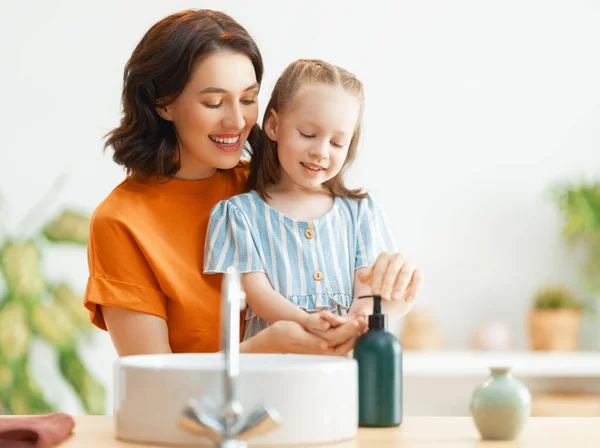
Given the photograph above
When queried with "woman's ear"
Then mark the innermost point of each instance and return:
(162, 110)
(271, 125)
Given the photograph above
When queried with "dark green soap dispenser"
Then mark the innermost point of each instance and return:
(379, 356)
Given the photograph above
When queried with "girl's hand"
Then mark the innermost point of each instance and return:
(285, 336)
(393, 277)
(362, 315)
(314, 323)
(343, 330)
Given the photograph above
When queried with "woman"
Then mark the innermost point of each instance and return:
(189, 106)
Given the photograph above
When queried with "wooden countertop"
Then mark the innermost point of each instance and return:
(415, 432)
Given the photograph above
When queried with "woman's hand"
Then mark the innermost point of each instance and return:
(343, 331)
(314, 323)
(290, 337)
(393, 277)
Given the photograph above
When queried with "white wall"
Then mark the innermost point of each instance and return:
(473, 109)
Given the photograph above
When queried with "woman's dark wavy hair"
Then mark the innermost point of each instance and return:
(159, 68)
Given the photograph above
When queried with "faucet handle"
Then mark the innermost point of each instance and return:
(261, 420)
(200, 423)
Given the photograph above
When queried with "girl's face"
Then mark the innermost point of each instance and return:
(214, 114)
(313, 133)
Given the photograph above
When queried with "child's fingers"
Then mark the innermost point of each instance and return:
(323, 325)
(366, 276)
(403, 279)
(378, 273)
(339, 335)
(333, 319)
(317, 323)
(414, 286)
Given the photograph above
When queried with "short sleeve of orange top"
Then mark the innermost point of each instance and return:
(146, 250)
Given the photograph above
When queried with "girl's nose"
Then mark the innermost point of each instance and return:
(234, 119)
(320, 150)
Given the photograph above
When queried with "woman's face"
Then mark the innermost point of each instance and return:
(214, 114)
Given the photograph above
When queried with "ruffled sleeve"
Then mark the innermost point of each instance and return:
(230, 242)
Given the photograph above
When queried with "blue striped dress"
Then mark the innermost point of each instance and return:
(311, 263)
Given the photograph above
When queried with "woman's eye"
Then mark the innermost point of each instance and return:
(212, 105)
(248, 102)
(306, 135)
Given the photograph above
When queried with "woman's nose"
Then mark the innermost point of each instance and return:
(234, 119)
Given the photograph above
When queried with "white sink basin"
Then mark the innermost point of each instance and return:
(316, 396)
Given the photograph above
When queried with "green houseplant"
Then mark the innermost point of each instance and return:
(579, 204)
(555, 320)
(32, 307)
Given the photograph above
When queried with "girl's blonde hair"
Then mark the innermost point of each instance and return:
(265, 169)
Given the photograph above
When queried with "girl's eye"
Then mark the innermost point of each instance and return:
(212, 105)
(306, 135)
(337, 145)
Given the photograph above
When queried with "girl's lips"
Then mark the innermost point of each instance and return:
(308, 171)
(313, 165)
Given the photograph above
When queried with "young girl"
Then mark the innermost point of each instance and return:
(301, 237)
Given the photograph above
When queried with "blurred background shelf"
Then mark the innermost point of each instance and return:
(523, 363)
(561, 383)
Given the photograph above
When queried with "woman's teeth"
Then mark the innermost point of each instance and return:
(311, 167)
(228, 140)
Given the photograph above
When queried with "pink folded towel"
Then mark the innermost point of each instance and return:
(35, 431)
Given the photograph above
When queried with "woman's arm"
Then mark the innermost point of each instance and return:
(134, 332)
(273, 307)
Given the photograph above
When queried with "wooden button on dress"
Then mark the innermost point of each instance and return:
(318, 276)
(310, 233)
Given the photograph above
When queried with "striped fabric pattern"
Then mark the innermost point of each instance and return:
(315, 272)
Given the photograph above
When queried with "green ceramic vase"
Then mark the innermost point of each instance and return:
(500, 406)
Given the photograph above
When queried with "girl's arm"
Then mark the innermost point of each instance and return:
(272, 306)
(134, 332)
(391, 275)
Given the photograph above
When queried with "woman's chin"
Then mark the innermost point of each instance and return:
(227, 162)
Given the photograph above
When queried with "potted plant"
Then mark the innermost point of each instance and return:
(579, 204)
(34, 308)
(554, 320)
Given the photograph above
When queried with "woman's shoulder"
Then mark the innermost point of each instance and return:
(122, 201)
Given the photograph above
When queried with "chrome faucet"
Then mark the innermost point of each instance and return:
(230, 428)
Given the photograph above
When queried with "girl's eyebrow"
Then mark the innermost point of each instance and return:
(220, 90)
